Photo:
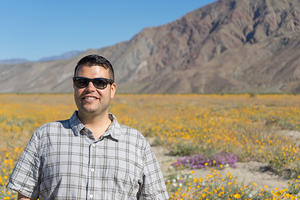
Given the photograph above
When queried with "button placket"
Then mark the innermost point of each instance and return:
(92, 170)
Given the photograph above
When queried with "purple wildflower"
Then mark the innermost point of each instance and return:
(201, 161)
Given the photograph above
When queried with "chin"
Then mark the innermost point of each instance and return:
(89, 109)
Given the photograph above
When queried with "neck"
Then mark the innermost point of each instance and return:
(93, 119)
(98, 124)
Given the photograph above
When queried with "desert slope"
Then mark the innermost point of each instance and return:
(227, 46)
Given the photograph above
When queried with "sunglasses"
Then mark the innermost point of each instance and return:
(99, 83)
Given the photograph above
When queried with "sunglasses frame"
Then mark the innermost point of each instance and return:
(105, 80)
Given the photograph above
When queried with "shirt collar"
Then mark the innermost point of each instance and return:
(114, 129)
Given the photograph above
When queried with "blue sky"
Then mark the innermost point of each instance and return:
(33, 29)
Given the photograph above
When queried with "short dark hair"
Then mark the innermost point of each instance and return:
(95, 60)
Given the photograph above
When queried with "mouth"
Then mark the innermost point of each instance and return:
(89, 98)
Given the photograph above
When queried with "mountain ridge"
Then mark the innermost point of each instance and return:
(63, 56)
(229, 46)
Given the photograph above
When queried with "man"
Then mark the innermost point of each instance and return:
(90, 155)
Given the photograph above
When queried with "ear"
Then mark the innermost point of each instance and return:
(113, 89)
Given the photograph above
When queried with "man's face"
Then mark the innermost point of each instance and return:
(91, 101)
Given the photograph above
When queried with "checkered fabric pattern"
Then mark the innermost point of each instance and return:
(63, 161)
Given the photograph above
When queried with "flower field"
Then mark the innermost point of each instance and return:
(200, 131)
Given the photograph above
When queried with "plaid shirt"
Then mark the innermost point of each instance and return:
(64, 161)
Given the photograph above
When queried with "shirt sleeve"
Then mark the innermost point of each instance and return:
(153, 182)
(25, 176)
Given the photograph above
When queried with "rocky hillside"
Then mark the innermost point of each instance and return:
(227, 46)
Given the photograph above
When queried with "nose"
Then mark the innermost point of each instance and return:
(90, 87)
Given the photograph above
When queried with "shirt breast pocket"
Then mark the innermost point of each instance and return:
(126, 183)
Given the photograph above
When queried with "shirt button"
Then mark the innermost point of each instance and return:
(93, 145)
(92, 170)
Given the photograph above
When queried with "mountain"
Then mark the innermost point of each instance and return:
(227, 46)
(64, 56)
(13, 61)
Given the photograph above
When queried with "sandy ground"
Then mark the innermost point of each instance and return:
(295, 135)
(245, 173)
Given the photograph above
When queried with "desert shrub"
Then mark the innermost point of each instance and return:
(183, 149)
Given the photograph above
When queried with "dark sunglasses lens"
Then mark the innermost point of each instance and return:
(81, 82)
(99, 83)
